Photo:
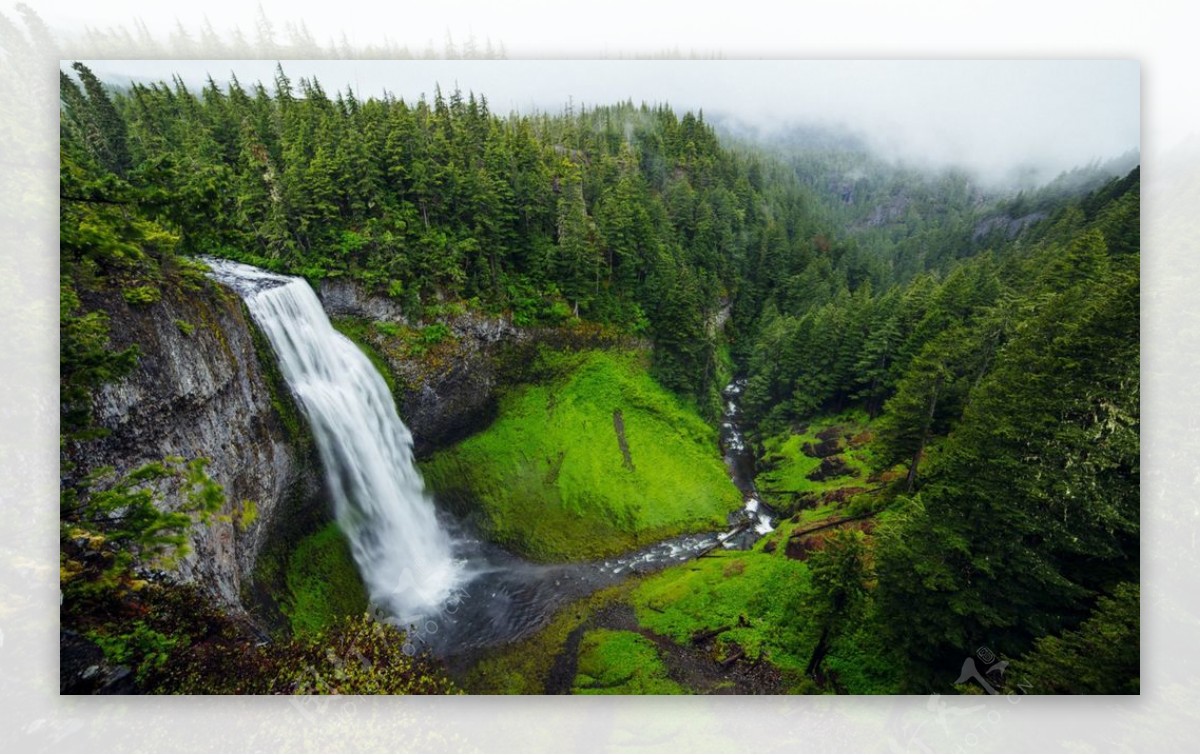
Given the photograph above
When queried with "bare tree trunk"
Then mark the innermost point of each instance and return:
(818, 654)
(912, 469)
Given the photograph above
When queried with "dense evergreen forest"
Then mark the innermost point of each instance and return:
(982, 344)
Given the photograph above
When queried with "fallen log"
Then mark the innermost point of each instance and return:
(723, 538)
(707, 634)
(826, 525)
(731, 659)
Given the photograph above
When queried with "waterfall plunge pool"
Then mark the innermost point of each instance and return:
(424, 571)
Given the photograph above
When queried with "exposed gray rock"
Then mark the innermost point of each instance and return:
(1010, 227)
(443, 405)
(344, 298)
(717, 320)
(891, 211)
(196, 394)
(83, 669)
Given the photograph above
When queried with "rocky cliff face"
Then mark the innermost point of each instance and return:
(344, 298)
(444, 405)
(199, 390)
(443, 402)
(1010, 227)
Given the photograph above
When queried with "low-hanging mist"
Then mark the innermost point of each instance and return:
(998, 120)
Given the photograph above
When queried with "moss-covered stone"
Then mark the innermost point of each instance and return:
(802, 469)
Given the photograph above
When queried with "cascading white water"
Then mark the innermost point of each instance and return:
(404, 555)
(736, 454)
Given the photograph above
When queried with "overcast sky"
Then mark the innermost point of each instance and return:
(985, 115)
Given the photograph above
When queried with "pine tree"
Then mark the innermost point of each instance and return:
(109, 139)
(839, 590)
(578, 263)
(1100, 657)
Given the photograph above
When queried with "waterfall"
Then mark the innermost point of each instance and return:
(404, 555)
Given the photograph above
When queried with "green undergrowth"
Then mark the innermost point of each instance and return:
(550, 480)
(863, 664)
(323, 583)
(614, 662)
(785, 469)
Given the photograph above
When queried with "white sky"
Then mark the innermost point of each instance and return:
(1158, 33)
(985, 115)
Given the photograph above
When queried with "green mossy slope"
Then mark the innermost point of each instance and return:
(621, 663)
(550, 479)
(323, 582)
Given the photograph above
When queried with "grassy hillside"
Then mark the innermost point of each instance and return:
(600, 460)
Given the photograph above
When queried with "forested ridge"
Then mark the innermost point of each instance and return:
(626, 214)
(985, 342)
